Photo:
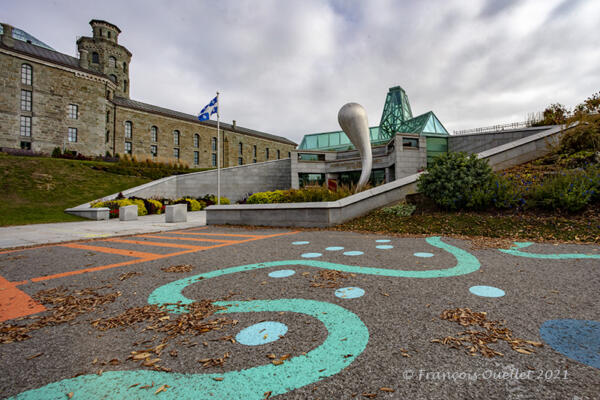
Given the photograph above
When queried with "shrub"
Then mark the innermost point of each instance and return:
(506, 193)
(154, 207)
(115, 204)
(400, 210)
(569, 192)
(456, 180)
(584, 136)
(56, 153)
(192, 204)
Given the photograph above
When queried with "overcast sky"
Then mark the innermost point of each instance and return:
(287, 66)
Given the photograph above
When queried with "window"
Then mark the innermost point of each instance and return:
(240, 160)
(153, 150)
(128, 130)
(108, 116)
(113, 78)
(108, 34)
(176, 153)
(254, 161)
(73, 111)
(196, 140)
(410, 142)
(127, 147)
(213, 144)
(26, 145)
(107, 136)
(154, 134)
(112, 62)
(254, 151)
(125, 86)
(26, 74)
(124, 66)
(25, 100)
(278, 155)
(95, 58)
(267, 153)
(73, 135)
(289, 154)
(213, 159)
(196, 158)
(176, 138)
(25, 126)
(241, 149)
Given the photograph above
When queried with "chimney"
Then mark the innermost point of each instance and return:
(233, 124)
(83, 59)
(7, 38)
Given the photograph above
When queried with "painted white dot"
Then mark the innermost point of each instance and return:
(282, 273)
(423, 255)
(385, 247)
(311, 255)
(334, 248)
(300, 243)
(353, 253)
(261, 333)
(382, 240)
(349, 292)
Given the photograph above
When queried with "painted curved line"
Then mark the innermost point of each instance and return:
(466, 264)
(521, 245)
(333, 355)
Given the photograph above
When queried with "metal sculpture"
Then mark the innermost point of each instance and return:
(352, 117)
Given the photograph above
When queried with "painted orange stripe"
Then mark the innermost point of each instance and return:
(216, 234)
(155, 257)
(15, 303)
(192, 239)
(110, 250)
(158, 244)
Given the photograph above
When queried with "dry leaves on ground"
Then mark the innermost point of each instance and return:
(477, 341)
(128, 275)
(328, 279)
(179, 268)
(63, 306)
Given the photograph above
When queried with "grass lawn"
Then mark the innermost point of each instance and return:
(38, 189)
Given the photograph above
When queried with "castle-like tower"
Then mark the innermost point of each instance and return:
(102, 53)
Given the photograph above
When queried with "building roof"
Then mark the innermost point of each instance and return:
(425, 124)
(138, 105)
(101, 21)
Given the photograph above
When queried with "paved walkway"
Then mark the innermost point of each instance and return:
(37, 234)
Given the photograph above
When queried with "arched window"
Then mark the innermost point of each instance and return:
(26, 74)
(213, 144)
(95, 58)
(128, 130)
(154, 134)
(112, 62)
(176, 138)
(196, 140)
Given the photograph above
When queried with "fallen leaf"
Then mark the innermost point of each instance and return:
(387, 389)
(163, 388)
(218, 379)
(70, 395)
(267, 394)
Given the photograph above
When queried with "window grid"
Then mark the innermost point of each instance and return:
(112, 62)
(176, 138)
(213, 144)
(153, 150)
(25, 126)
(196, 140)
(213, 159)
(25, 100)
(241, 149)
(128, 130)
(154, 134)
(196, 158)
(128, 149)
(73, 135)
(26, 74)
(73, 111)
(176, 153)
(240, 161)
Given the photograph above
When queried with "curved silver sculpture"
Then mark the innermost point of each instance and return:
(352, 117)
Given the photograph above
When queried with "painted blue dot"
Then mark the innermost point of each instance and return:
(300, 242)
(385, 247)
(353, 253)
(311, 255)
(576, 339)
(349, 292)
(383, 241)
(423, 255)
(334, 248)
(261, 333)
(486, 291)
(282, 273)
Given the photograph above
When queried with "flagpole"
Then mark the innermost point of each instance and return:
(218, 156)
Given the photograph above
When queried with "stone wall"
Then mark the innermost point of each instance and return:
(479, 142)
(142, 122)
(53, 89)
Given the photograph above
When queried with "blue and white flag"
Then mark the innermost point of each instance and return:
(208, 110)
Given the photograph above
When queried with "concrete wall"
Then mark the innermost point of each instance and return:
(333, 213)
(478, 142)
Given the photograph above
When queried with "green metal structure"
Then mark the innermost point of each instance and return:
(396, 118)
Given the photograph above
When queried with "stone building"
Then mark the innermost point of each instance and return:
(50, 99)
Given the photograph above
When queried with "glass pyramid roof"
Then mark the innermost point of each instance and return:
(424, 124)
(26, 37)
(395, 111)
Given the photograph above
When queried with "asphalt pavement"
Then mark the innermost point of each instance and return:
(301, 315)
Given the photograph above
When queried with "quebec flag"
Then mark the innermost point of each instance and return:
(208, 110)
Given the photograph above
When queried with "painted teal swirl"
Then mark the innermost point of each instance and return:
(347, 338)
(515, 251)
(465, 264)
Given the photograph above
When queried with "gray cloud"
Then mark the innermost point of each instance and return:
(286, 67)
